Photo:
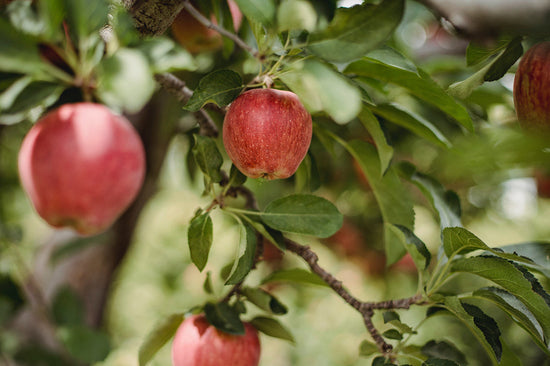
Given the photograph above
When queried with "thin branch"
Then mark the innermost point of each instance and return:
(207, 23)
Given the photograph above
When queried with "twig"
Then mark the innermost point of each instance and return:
(207, 23)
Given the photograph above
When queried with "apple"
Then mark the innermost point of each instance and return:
(542, 181)
(532, 89)
(198, 343)
(195, 36)
(267, 133)
(81, 165)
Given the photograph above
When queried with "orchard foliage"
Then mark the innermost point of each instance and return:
(399, 127)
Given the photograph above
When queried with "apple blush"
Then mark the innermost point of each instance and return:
(532, 89)
(81, 165)
(198, 343)
(267, 133)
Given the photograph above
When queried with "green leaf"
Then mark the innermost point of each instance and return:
(514, 279)
(260, 11)
(85, 18)
(385, 151)
(389, 316)
(224, 317)
(51, 13)
(413, 122)
(321, 88)
(296, 14)
(355, 31)
(220, 87)
(446, 203)
(11, 299)
(264, 300)
(418, 84)
(67, 308)
(208, 157)
(236, 178)
(164, 55)
(367, 348)
(23, 17)
(457, 240)
(85, 344)
(474, 318)
(303, 214)
(296, 275)
(207, 285)
(158, 337)
(537, 252)
(444, 350)
(199, 236)
(392, 334)
(516, 310)
(416, 247)
(272, 328)
(19, 52)
(393, 199)
(439, 362)
(125, 80)
(246, 255)
(477, 53)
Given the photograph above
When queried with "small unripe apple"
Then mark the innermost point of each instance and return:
(198, 343)
(81, 166)
(532, 89)
(267, 133)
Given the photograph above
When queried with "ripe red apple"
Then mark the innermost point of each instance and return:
(542, 180)
(198, 343)
(197, 38)
(267, 133)
(81, 166)
(532, 89)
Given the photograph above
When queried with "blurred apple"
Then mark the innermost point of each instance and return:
(198, 343)
(542, 180)
(81, 165)
(195, 36)
(405, 265)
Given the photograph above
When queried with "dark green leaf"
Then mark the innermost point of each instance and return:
(392, 334)
(487, 325)
(272, 328)
(303, 214)
(199, 236)
(236, 178)
(264, 300)
(388, 316)
(477, 53)
(85, 18)
(322, 88)
(207, 285)
(439, 362)
(220, 87)
(224, 317)
(444, 350)
(416, 247)
(158, 337)
(260, 11)
(418, 84)
(51, 13)
(67, 308)
(208, 157)
(355, 31)
(296, 275)
(246, 255)
(85, 344)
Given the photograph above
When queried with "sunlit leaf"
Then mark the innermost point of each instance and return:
(220, 87)
(245, 257)
(272, 327)
(158, 337)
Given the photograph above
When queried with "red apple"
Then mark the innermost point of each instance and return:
(81, 166)
(198, 343)
(542, 180)
(197, 38)
(267, 133)
(532, 89)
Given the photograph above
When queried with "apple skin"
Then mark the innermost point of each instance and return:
(532, 89)
(198, 343)
(197, 38)
(267, 133)
(81, 165)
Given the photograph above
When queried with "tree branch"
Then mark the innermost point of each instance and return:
(153, 17)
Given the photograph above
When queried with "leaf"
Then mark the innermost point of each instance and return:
(208, 157)
(303, 214)
(200, 237)
(516, 310)
(321, 88)
(537, 252)
(474, 318)
(446, 203)
(393, 334)
(418, 84)
(125, 80)
(85, 18)
(296, 275)
(246, 255)
(389, 316)
(220, 87)
(264, 300)
(385, 151)
(164, 55)
(367, 348)
(67, 308)
(413, 122)
(393, 199)
(19, 52)
(514, 279)
(158, 337)
(458, 240)
(444, 350)
(272, 328)
(439, 362)
(260, 11)
(355, 31)
(296, 14)
(416, 247)
(85, 344)
(23, 17)
(224, 317)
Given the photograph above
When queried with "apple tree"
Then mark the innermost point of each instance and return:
(328, 182)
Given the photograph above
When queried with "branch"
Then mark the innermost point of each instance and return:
(153, 17)
(488, 18)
